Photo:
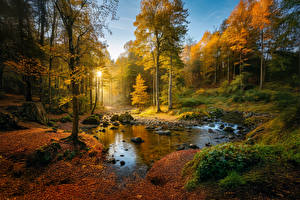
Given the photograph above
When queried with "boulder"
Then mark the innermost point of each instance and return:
(166, 132)
(8, 121)
(193, 146)
(122, 162)
(125, 118)
(229, 129)
(113, 128)
(115, 124)
(137, 140)
(34, 111)
(92, 120)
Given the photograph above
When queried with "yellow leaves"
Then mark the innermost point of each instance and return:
(139, 96)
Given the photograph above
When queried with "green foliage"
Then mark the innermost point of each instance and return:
(190, 102)
(218, 162)
(232, 181)
(284, 99)
(192, 116)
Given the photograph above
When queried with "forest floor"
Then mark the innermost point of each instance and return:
(82, 173)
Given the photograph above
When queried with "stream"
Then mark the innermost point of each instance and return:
(129, 158)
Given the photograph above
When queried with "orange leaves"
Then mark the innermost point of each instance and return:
(261, 13)
(28, 66)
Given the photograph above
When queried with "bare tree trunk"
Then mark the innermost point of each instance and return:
(261, 85)
(28, 90)
(228, 70)
(153, 89)
(170, 85)
(96, 95)
(1, 76)
(91, 92)
(101, 94)
(157, 83)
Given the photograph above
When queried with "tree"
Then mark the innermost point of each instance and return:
(81, 18)
(154, 23)
(260, 21)
(139, 96)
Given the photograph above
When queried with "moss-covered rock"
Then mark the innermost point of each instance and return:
(92, 120)
(34, 111)
(44, 155)
(8, 121)
(125, 118)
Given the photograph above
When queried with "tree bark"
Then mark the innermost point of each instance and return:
(228, 70)
(101, 94)
(28, 91)
(157, 82)
(170, 85)
(261, 85)
(91, 92)
(96, 95)
(1, 76)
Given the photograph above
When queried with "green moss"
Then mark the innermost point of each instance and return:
(232, 181)
(217, 162)
(66, 119)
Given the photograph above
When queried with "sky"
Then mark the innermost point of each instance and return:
(203, 15)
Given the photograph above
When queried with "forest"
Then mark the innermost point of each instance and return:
(170, 118)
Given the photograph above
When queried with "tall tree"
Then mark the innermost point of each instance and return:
(261, 21)
(80, 18)
(139, 95)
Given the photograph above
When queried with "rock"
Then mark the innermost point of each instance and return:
(113, 128)
(208, 144)
(240, 128)
(181, 147)
(8, 121)
(102, 130)
(210, 130)
(121, 155)
(125, 149)
(166, 132)
(111, 160)
(34, 111)
(125, 118)
(115, 124)
(149, 128)
(123, 141)
(96, 137)
(231, 137)
(123, 131)
(122, 162)
(158, 129)
(193, 146)
(93, 120)
(105, 123)
(114, 118)
(211, 125)
(222, 126)
(229, 129)
(137, 140)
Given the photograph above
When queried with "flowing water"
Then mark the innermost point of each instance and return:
(139, 157)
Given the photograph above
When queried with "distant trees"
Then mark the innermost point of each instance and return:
(160, 26)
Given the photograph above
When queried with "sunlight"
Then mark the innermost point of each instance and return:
(99, 73)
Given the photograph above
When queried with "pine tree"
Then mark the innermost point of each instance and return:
(139, 95)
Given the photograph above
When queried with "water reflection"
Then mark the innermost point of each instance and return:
(142, 156)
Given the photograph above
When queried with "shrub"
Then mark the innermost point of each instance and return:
(191, 116)
(232, 181)
(217, 162)
(284, 99)
(257, 95)
(190, 102)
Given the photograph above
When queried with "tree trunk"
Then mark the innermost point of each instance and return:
(101, 94)
(153, 89)
(28, 92)
(157, 82)
(170, 85)
(74, 85)
(91, 92)
(96, 95)
(1, 76)
(228, 70)
(261, 85)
